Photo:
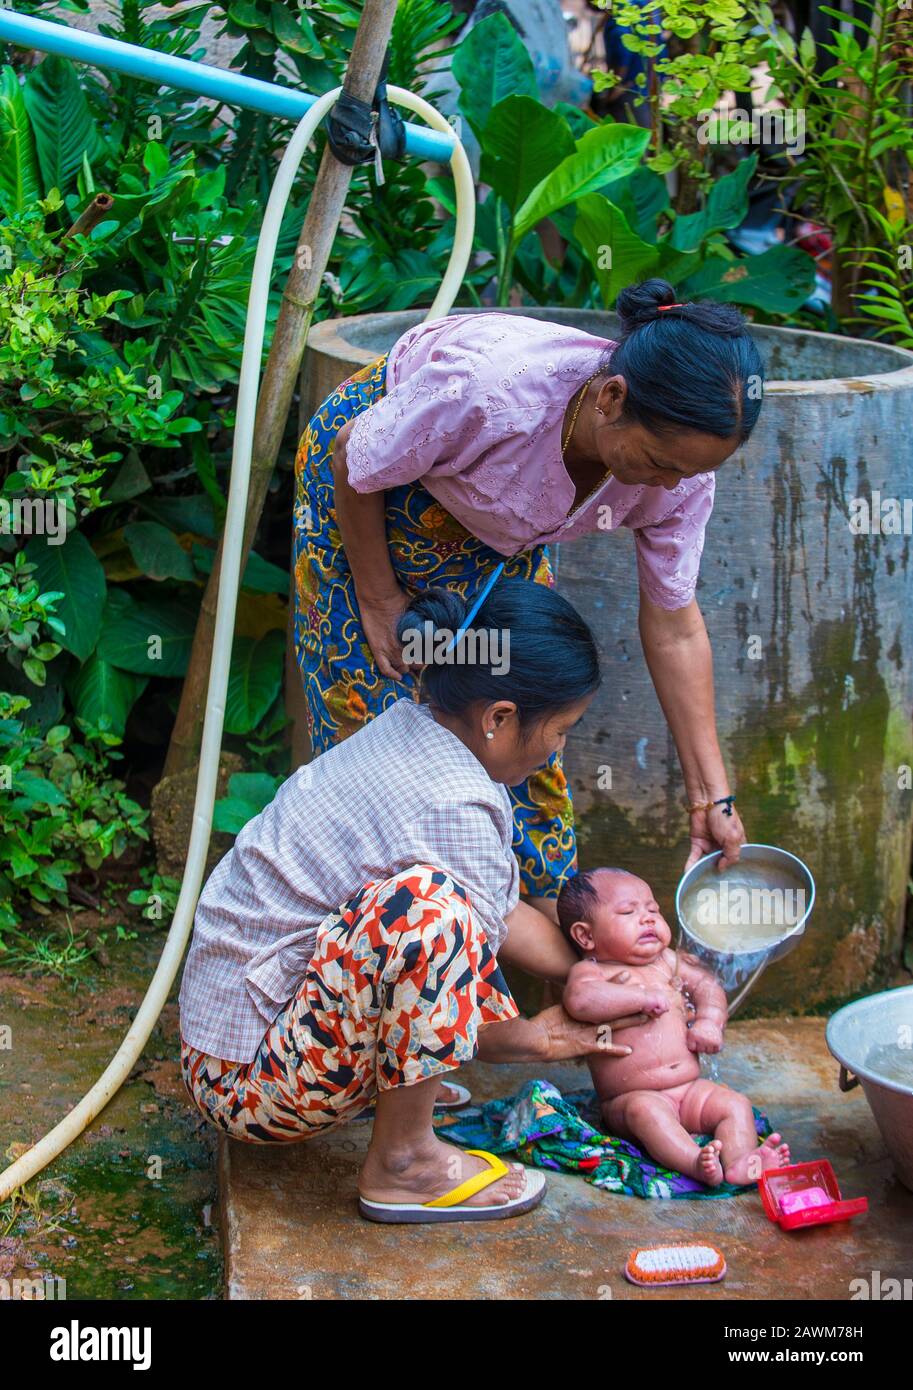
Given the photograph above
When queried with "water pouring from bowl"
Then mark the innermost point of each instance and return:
(738, 921)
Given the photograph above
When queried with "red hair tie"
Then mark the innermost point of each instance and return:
(660, 308)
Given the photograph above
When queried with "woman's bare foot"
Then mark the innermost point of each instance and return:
(429, 1171)
(773, 1153)
(707, 1166)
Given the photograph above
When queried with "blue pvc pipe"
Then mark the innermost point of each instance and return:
(233, 88)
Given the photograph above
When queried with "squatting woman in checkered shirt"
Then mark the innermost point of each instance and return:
(346, 950)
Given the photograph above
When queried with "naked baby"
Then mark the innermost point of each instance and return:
(656, 1096)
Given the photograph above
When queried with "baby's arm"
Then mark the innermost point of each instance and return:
(592, 998)
(706, 1031)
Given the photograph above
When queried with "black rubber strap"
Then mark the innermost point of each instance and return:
(350, 121)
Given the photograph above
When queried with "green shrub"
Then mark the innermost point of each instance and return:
(60, 811)
(23, 610)
(597, 183)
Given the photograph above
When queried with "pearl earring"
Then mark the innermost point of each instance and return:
(489, 734)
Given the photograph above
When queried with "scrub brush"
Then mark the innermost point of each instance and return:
(652, 1265)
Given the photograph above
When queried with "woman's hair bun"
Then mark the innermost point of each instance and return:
(639, 304)
(696, 368)
(527, 644)
(441, 607)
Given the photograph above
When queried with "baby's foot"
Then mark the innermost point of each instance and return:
(773, 1153)
(708, 1168)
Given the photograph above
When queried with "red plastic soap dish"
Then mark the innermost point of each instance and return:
(806, 1194)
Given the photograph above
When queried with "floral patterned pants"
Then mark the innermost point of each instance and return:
(428, 546)
(401, 980)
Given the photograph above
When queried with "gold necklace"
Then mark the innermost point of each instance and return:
(567, 439)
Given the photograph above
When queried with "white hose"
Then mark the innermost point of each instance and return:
(117, 1070)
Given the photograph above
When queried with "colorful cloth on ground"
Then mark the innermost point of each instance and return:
(549, 1130)
(427, 546)
(401, 981)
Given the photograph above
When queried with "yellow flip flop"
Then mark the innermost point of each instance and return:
(452, 1206)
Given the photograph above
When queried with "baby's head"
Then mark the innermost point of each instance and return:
(611, 915)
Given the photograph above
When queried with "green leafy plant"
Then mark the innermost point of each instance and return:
(398, 253)
(858, 143)
(716, 50)
(530, 158)
(58, 386)
(248, 793)
(73, 403)
(314, 41)
(130, 335)
(691, 252)
(61, 810)
(23, 610)
(158, 898)
(593, 182)
(124, 111)
(885, 283)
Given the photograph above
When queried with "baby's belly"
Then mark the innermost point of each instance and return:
(660, 1059)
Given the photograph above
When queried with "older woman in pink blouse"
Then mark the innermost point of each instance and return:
(487, 437)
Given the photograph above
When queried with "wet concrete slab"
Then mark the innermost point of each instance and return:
(291, 1229)
(129, 1211)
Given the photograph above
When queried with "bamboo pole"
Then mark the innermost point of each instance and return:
(277, 389)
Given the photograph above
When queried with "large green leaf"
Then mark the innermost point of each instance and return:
(642, 197)
(20, 180)
(60, 116)
(295, 32)
(617, 254)
(131, 479)
(99, 689)
(521, 143)
(258, 788)
(778, 281)
(148, 637)
(253, 681)
(190, 513)
(156, 551)
(230, 814)
(726, 206)
(676, 266)
(74, 570)
(579, 121)
(37, 790)
(248, 793)
(261, 576)
(414, 274)
(606, 152)
(45, 701)
(490, 64)
(246, 14)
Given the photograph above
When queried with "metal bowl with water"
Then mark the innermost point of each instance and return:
(872, 1039)
(774, 892)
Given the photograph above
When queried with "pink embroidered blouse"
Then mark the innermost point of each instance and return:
(474, 411)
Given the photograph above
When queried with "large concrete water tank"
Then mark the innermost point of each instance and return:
(811, 620)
